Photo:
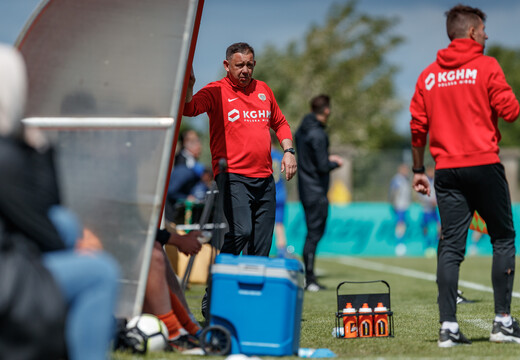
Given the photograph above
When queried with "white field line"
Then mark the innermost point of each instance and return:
(479, 323)
(372, 265)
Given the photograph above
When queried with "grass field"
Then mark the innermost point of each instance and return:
(413, 297)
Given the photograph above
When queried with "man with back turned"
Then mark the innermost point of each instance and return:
(458, 100)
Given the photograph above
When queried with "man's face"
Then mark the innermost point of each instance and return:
(326, 113)
(192, 144)
(240, 68)
(479, 34)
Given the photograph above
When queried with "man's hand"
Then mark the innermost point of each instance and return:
(289, 165)
(192, 80)
(188, 244)
(421, 184)
(89, 242)
(337, 159)
(191, 83)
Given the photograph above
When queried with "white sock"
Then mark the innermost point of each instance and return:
(506, 320)
(450, 325)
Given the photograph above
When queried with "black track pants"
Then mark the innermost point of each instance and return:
(461, 191)
(316, 218)
(249, 207)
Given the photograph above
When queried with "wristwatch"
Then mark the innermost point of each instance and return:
(290, 150)
(420, 170)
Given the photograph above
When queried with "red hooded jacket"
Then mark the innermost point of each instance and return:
(458, 100)
(239, 122)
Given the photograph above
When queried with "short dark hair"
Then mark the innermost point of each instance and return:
(240, 47)
(320, 103)
(459, 19)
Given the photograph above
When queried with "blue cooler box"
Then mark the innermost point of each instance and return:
(259, 300)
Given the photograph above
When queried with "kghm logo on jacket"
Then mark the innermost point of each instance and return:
(250, 115)
(451, 78)
(233, 115)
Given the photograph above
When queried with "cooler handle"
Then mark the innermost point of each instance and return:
(251, 274)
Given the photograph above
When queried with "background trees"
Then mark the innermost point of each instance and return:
(344, 58)
(509, 59)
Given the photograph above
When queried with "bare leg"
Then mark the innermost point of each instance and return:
(157, 298)
(173, 283)
(281, 241)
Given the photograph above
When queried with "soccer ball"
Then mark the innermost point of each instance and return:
(147, 333)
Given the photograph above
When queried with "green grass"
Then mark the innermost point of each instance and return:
(415, 314)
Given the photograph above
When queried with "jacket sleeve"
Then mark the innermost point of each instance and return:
(321, 153)
(501, 96)
(24, 212)
(201, 102)
(278, 121)
(419, 122)
(180, 181)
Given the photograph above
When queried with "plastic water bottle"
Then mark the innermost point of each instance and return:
(365, 321)
(305, 352)
(338, 332)
(350, 321)
(381, 320)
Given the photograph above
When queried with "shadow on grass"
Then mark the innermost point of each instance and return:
(480, 339)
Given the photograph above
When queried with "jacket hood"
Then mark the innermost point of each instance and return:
(13, 90)
(459, 52)
(309, 122)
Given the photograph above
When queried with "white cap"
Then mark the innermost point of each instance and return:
(365, 310)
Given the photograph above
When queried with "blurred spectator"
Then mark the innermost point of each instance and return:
(400, 199)
(430, 217)
(164, 296)
(315, 164)
(190, 149)
(279, 181)
(30, 208)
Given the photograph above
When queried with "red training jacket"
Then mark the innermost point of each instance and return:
(239, 122)
(458, 100)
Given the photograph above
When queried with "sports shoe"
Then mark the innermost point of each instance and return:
(461, 299)
(449, 339)
(501, 333)
(185, 343)
(204, 308)
(314, 287)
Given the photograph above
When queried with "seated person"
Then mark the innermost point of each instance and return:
(189, 179)
(30, 208)
(164, 297)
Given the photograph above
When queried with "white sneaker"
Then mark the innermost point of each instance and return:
(502, 333)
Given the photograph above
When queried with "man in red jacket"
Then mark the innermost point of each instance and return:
(458, 100)
(241, 111)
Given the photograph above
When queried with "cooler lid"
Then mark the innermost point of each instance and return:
(278, 263)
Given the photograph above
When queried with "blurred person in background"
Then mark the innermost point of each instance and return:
(30, 209)
(314, 164)
(281, 195)
(400, 200)
(190, 149)
(430, 217)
